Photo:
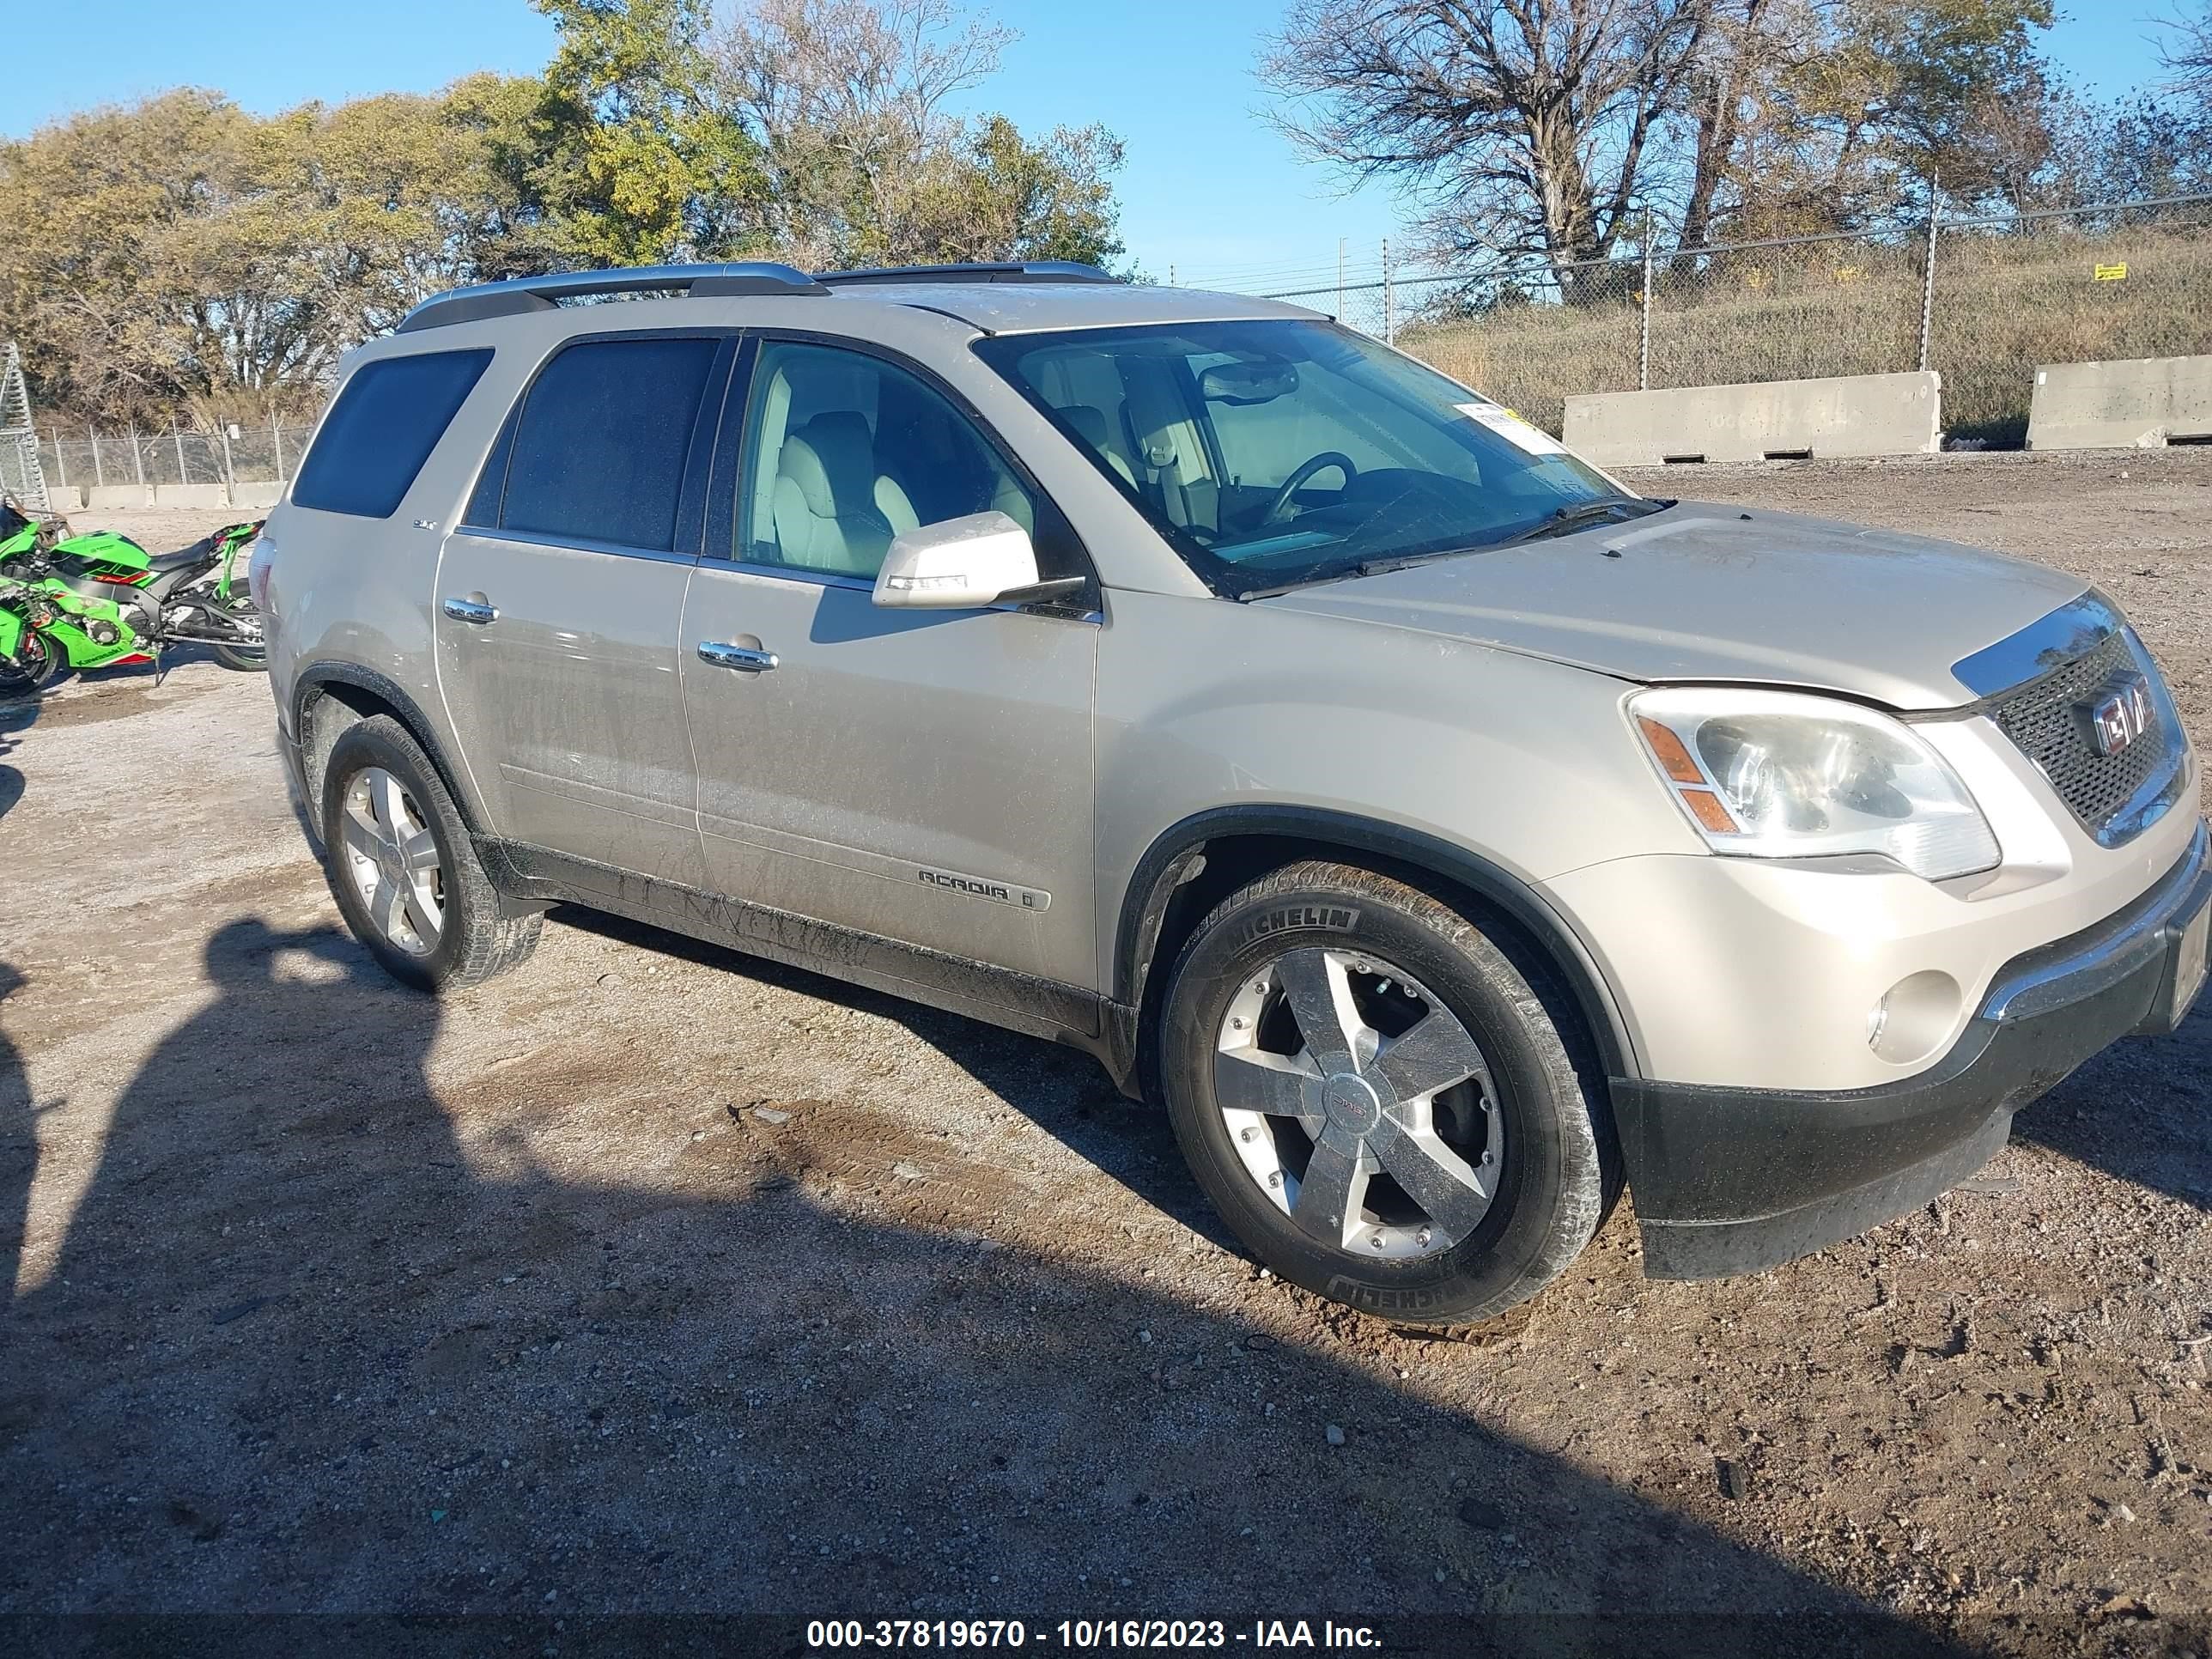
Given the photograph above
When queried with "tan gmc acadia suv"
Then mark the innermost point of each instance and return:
(1443, 832)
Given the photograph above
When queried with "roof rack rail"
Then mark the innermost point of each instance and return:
(527, 293)
(1036, 270)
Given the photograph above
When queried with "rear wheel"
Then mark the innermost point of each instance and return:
(402, 869)
(251, 658)
(1377, 1099)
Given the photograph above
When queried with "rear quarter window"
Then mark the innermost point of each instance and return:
(386, 421)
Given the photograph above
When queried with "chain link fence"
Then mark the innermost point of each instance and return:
(1982, 301)
(230, 455)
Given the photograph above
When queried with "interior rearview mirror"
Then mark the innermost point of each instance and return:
(1243, 383)
(959, 564)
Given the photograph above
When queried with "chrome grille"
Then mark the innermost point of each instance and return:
(2105, 791)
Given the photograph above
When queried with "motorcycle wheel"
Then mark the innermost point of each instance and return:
(37, 664)
(244, 660)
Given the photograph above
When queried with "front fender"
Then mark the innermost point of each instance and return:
(1494, 771)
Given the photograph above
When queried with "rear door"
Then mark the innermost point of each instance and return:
(560, 595)
(919, 775)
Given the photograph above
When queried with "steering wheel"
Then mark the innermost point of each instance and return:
(1299, 474)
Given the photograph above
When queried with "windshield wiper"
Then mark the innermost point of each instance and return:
(1346, 572)
(1573, 516)
(1578, 515)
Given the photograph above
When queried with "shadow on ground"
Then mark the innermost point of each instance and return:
(18, 711)
(2137, 1111)
(299, 1353)
(1062, 1090)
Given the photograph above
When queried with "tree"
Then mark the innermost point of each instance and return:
(2188, 55)
(180, 257)
(1730, 90)
(850, 102)
(1526, 124)
(2133, 149)
(634, 162)
(995, 195)
(150, 269)
(1564, 127)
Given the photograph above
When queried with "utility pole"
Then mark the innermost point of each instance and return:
(1340, 279)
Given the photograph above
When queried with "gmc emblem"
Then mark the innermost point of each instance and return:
(2120, 714)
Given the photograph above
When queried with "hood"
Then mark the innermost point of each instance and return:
(1701, 591)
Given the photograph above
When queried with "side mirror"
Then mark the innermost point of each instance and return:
(962, 564)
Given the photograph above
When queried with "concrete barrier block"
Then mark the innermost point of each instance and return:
(190, 494)
(125, 496)
(64, 498)
(256, 497)
(2142, 403)
(1778, 420)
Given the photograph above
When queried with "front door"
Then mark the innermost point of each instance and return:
(922, 776)
(559, 601)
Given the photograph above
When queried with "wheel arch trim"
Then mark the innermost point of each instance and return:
(404, 708)
(1168, 862)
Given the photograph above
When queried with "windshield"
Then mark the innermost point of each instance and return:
(1284, 451)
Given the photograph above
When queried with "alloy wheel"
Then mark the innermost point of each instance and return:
(392, 857)
(1358, 1103)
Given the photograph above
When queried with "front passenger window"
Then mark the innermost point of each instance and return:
(844, 451)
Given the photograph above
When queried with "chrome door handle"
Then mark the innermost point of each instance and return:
(744, 659)
(470, 611)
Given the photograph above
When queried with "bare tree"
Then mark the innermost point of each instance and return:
(2189, 54)
(1525, 125)
(849, 98)
(1737, 113)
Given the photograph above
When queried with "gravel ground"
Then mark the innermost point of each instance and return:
(652, 1280)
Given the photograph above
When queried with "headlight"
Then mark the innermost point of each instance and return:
(1776, 774)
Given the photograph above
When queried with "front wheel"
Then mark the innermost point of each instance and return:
(37, 662)
(1379, 1101)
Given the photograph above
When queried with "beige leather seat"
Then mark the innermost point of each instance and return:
(826, 511)
(896, 502)
(1094, 429)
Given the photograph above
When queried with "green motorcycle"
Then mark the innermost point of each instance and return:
(100, 600)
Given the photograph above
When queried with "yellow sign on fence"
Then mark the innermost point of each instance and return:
(2112, 273)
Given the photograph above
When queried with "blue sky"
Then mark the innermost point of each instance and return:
(1208, 192)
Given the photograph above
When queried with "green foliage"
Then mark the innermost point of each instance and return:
(634, 164)
(995, 195)
(182, 259)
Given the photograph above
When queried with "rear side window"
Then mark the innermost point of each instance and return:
(382, 429)
(600, 446)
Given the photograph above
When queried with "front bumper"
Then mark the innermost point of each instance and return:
(1732, 1181)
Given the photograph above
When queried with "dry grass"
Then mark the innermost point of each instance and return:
(2003, 305)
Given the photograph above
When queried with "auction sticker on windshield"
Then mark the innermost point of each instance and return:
(1512, 428)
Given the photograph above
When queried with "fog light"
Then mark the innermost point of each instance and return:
(1913, 1017)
